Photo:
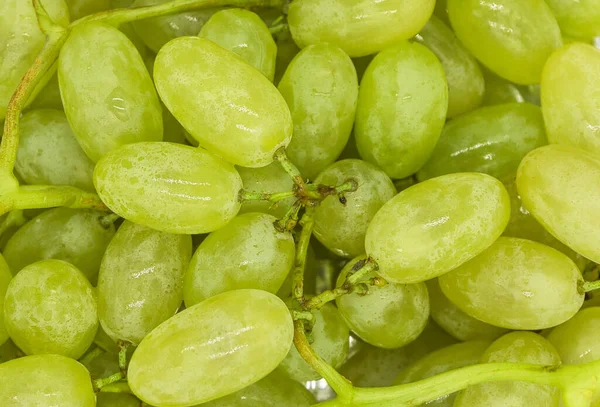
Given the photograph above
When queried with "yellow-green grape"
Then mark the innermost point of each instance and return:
(513, 38)
(286, 51)
(50, 308)
(269, 179)
(514, 347)
(5, 277)
(577, 339)
(499, 91)
(434, 226)
(243, 334)
(45, 380)
(569, 83)
(117, 105)
(577, 19)
(224, 103)
(49, 153)
(516, 284)
(245, 34)
(559, 186)
(402, 104)
(116, 400)
(169, 187)
(82, 8)
(9, 351)
(342, 227)
(321, 89)
(359, 27)
(388, 317)
(49, 96)
(465, 80)
(454, 321)
(492, 140)
(248, 252)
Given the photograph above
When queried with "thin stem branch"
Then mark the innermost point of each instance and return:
(91, 355)
(591, 285)
(123, 346)
(307, 224)
(258, 196)
(49, 196)
(98, 384)
(290, 219)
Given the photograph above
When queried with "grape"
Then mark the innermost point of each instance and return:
(269, 179)
(115, 105)
(465, 80)
(248, 252)
(390, 316)
(559, 184)
(435, 226)
(572, 117)
(402, 105)
(516, 284)
(117, 400)
(359, 27)
(516, 347)
(578, 19)
(81, 8)
(577, 339)
(245, 34)
(342, 228)
(513, 38)
(48, 98)
(499, 91)
(5, 277)
(169, 187)
(50, 308)
(321, 89)
(241, 334)
(45, 380)
(492, 140)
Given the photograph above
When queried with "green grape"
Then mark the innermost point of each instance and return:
(241, 334)
(516, 284)
(499, 91)
(117, 400)
(390, 316)
(577, 339)
(434, 226)
(286, 51)
(571, 113)
(9, 351)
(359, 27)
(49, 153)
(82, 8)
(45, 380)
(578, 19)
(269, 179)
(245, 34)
(465, 80)
(515, 347)
(492, 140)
(402, 104)
(249, 127)
(559, 186)
(49, 96)
(169, 187)
(342, 227)
(248, 252)
(172, 130)
(5, 277)
(321, 89)
(113, 104)
(50, 308)
(77, 236)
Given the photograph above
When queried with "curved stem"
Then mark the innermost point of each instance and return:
(91, 355)
(258, 196)
(100, 383)
(49, 196)
(307, 223)
(591, 285)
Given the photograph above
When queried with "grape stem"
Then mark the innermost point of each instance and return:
(307, 223)
(289, 221)
(591, 285)
(91, 355)
(98, 384)
(245, 196)
(123, 346)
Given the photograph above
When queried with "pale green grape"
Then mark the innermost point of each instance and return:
(169, 187)
(492, 140)
(436, 225)
(516, 284)
(245, 34)
(578, 19)
(342, 228)
(321, 89)
(50, 308)
(9, 351)
(388, 317)
(577, 339)
(359, 27)
(499, 91)
(248, 252)
(5, 277)
(224, 103)
(49, 96)
(116, 400)
(515, 347)
(214, 348)
(116, 104)
(402, 104)
(286, 51)
(269, 179)
(45, 380)
(81, 8)
(513, 38)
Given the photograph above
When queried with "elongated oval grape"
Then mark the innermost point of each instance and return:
(169, 187)
(435, 226)
(235, 112)
(248, 252)
(499, 91)
(516, 284)
(576, 340)
(269, 179)
(245, 34)
(321, 89)
(45, 380)
(559, 186)
(117, 104)
(342, 227)
(513, 38)
(491, 139)
(243, 334)
(577, 19)
(359, 27)
(5, 277)
(402, 104)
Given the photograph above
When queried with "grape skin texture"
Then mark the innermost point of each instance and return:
(578, 19)
(206, 345)
(577, 339)
(271, 178)
(5, 277)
